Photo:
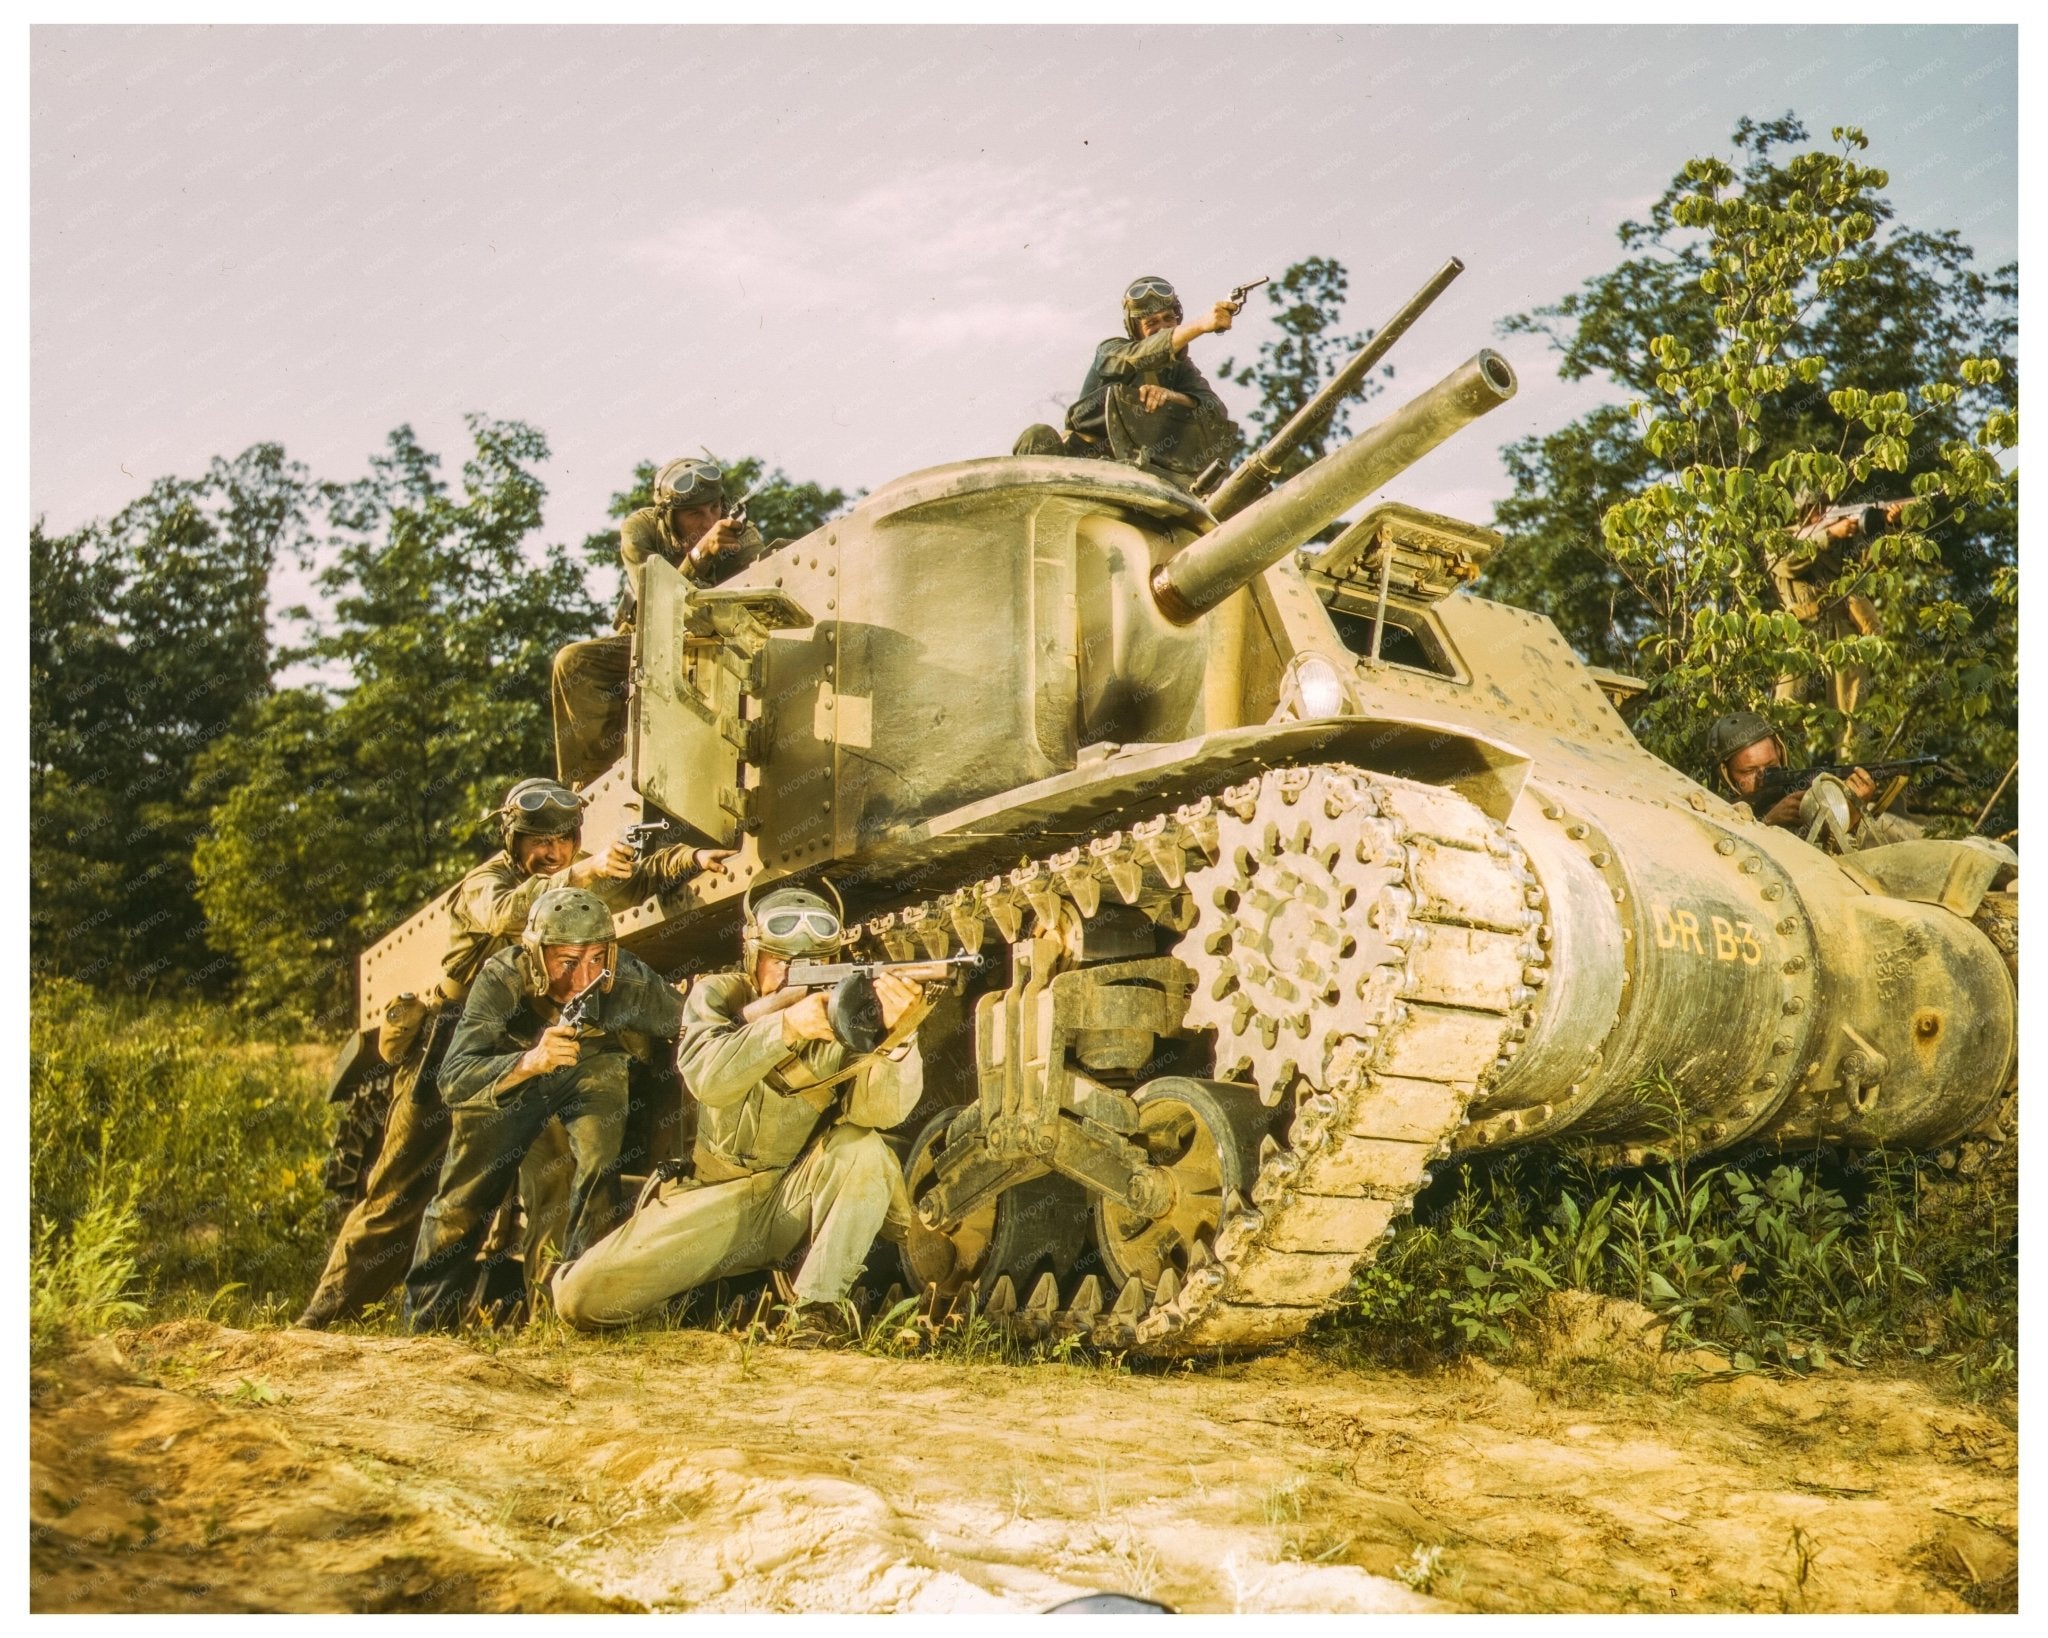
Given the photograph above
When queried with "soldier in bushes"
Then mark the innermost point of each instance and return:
(541, 825)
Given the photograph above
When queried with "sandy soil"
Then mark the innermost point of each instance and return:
(192, 1467)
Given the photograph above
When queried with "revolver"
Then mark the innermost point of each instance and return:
(1238, 292)
(638, 836)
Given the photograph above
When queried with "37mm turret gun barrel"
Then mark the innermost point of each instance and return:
(1255, 476)
(1190, 584)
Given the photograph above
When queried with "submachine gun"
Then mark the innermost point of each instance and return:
(1778, 782)
(855, 1011)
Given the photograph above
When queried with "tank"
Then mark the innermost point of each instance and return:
(1294, 872)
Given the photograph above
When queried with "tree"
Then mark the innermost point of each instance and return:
(340, 810)
(1777, 332)
(1306, 300)
(148, 640)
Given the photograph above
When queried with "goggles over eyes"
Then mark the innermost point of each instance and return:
(787, 923)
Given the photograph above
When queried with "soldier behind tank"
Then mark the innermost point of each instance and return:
(1143, 401)
(1824, 537)
(686, 528)
(541, 826)
(516, 1063)
(789, 1144)
(1742, 745)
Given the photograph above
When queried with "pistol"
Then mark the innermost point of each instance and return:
(576, 1014)
(638, 836)
(1238, 292)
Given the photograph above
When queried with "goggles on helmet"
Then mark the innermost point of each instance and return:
(1150, 293)
(690, 482)
(535, 798)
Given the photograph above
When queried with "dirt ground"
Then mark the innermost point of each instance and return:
(191, 1467)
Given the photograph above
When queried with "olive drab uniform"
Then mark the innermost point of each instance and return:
(374, 1246)
(1173, 440)
(780, 1160)
(591, 678)
(1107, 422)
(1802, 576)
(493, 1125)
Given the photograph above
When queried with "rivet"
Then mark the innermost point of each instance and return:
(1725, 846)
(1789, 924)
(1750, 866)
(1601, 861)
(1773, 891)
(1795, 964)
(1576, 832)
(1794, 1006)
(1781, 1046)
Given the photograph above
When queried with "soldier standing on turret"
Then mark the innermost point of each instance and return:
(1823, 537)
(687, 528)
(1143, 401)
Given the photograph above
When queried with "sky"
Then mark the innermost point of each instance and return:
(855, 252)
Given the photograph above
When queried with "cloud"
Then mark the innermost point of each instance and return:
(962, 253)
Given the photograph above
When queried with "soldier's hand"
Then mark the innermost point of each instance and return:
(1220, 317)
(897, 994)
(616, 863)
(808, 1020)
(711, 861)
(557, 1048)
(1152, 397)
(1785, 811)
(721, 536)
(1860, 785)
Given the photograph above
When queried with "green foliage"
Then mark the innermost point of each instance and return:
(168, 1135)
(340, 809)
(80, 1282)
(1306, 302)
(148, 640)
(1773, 1262)
(1778, 334)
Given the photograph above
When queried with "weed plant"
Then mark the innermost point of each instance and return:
(174, 1160)
(1772, 1260)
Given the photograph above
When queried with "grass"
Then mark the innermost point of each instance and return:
(174, 1161)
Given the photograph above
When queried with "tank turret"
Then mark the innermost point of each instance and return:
(1290, 874)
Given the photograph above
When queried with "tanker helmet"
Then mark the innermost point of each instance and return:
(1736, 731)
(791, 922)
(1150, 294)
(690, 482)
(539, 807)
(565, 915)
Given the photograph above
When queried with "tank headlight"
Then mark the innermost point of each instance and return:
(1320, 689)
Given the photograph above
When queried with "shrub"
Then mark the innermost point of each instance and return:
(1772, 1259)
(81, 1282)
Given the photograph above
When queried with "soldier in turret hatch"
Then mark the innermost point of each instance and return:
(686, 527)
(1143, 401)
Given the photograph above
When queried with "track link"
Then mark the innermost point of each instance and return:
(1366, 950)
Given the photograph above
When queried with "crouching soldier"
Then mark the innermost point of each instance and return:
(789, 1145)
(543, 1035)
(541, 826)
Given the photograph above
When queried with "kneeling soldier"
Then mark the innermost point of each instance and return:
(789, 1141)
(540, 1037)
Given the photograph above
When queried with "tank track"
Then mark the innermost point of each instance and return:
(1365, 946)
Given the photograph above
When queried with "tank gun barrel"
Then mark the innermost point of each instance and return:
(1197, 579)
(1256, 475)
